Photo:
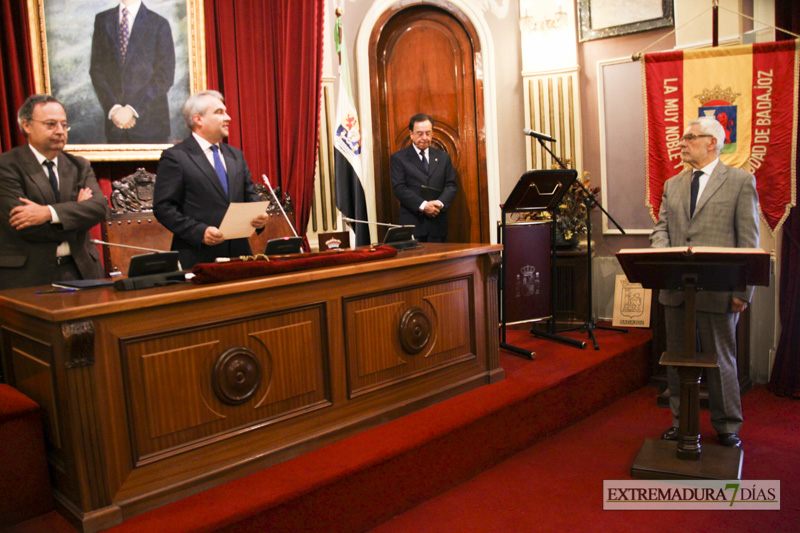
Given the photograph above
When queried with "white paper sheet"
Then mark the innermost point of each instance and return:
(236, 223)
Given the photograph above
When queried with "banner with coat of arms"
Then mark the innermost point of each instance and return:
(752, 90)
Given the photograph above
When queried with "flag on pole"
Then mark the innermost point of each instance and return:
(350, 198)
(752, 90)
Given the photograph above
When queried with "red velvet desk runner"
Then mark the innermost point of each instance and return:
(219, 272)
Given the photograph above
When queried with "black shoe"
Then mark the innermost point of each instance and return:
(731, 440)
(670, 434)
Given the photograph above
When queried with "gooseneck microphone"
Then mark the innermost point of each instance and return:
(347, 219)
(104, 243)
(537, 135)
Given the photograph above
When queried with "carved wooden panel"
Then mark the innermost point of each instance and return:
(171, 377)
(377, 356)
(32, 363)
(445, 82)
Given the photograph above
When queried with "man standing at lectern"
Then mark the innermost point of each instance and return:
(424, 180)
(49, 201)
(197, 180)
(709, 204)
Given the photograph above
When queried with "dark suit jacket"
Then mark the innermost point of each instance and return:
(408, 176)
(726, 215)
(142, 81)
(28, 256)
(188, 198)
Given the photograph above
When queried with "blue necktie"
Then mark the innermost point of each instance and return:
(52, 175)
(694, 189)
(424, 161)
(124, 33)
(220, 168)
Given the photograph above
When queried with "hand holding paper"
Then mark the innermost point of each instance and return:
(241, 218)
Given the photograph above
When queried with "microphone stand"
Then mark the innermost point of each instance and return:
(104, 243)
(589, 325)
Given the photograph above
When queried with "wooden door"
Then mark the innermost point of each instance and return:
(425, 59)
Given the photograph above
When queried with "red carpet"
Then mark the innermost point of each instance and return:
(362, 481)
(456, 461)
(556, 485)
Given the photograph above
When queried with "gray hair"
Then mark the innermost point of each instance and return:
(197, 105)
(25, 113)
(711, 126)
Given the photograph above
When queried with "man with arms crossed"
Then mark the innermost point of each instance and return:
(721, 211)
(49, 200)
(198, 179)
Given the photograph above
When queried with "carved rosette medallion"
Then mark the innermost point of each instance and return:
(236, 375)
(415, 330)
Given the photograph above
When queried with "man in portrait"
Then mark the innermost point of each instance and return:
(132, 69)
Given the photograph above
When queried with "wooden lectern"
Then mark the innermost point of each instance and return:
(691, 270)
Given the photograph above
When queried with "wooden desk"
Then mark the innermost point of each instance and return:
(152, 395)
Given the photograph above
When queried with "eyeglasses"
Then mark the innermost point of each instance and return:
(53, 124)
(689, 137)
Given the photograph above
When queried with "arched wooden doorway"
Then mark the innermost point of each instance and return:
(426, 59)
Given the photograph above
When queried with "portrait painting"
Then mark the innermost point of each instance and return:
(122, 69)
(600, 19)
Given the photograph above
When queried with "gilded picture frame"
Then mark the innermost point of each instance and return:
(600, 19)
(62, 54)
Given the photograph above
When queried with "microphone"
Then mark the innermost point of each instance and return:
(347, 219)
(266, 181)
(537, 135)
(104, 243)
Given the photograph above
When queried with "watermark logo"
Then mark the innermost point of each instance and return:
(733, 495)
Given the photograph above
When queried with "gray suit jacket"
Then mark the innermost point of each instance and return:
(28, 256)
(726, 215)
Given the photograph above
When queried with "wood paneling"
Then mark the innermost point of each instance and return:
(375, 355)
(127, 379)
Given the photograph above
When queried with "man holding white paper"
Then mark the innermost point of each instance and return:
(198, 179)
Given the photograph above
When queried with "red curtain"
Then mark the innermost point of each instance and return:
(785, 379)
(16, 74)
(266, 58)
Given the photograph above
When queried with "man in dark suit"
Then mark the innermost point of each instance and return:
(132, 68)
(710, 204)
(424, 180)
(197, 180)
(49, 201)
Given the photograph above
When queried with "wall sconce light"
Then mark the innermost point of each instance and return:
(528, 23)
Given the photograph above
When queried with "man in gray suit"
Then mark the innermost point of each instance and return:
(49, 200)
(710, 204)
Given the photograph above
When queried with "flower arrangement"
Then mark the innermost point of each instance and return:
(571, 213)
